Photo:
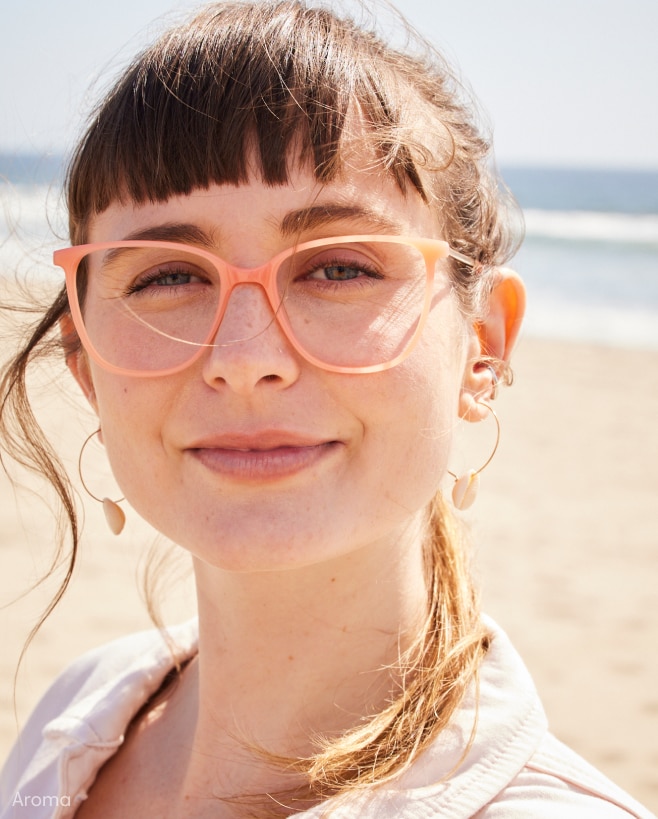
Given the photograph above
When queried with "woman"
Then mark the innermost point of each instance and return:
(283, 292)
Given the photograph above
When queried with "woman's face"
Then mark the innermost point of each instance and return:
(252, 458)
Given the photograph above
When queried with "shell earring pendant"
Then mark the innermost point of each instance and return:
(466, 486)
(114, 514)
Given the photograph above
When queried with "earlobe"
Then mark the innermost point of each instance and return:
(77, 361)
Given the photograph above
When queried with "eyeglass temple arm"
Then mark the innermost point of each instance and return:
(461, 258)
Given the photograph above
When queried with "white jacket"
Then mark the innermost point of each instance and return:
(514, 769)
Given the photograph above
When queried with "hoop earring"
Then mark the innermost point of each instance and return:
(494, 390)
(467, 485)
(114, 514)
(486, 364)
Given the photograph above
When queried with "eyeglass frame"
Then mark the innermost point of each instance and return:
(265, 276)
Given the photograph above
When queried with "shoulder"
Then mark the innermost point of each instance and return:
(124, 668)
(497, 760)
(552, 781)
(557, 782)
(87, 708)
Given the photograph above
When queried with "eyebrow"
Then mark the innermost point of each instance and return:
(183, 232)
(293, 223)
(317, 216)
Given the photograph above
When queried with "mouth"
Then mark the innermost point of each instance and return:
(264, 459)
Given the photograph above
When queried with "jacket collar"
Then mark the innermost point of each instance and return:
(504, 708)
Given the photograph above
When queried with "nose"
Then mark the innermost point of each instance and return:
(250, 349)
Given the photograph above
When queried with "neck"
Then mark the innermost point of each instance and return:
(284, 657)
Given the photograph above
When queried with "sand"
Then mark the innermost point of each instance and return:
(566, 538)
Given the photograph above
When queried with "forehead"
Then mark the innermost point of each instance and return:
(361, 199)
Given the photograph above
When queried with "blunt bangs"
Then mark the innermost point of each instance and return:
(270, 81)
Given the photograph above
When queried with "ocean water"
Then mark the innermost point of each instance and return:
(589, 258)
(590, 254)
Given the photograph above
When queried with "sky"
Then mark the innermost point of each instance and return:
(563, 82)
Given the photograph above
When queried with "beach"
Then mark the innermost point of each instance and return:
(565, 535)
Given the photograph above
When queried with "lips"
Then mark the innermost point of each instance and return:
(267, 455)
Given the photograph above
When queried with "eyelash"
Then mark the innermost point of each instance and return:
(367, 274)
(145, 281)
(363, 268)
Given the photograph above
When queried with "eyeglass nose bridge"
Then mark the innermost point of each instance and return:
(263, 277)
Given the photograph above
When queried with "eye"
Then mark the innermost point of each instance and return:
(173, 277)
(336, 272)
(167, 276)
(340, 268)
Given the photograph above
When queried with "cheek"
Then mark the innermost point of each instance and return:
(412, 420)
(132, 415)
(434, 388)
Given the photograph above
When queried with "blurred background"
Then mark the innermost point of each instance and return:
(566, 525)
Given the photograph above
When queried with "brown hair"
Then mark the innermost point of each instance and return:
(276, 80)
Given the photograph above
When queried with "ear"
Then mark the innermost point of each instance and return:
(494, 337)
(77, 361)
(500, 329)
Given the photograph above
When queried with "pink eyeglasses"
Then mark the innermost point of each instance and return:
(348, 304)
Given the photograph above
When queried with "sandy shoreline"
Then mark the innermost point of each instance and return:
(566, 533)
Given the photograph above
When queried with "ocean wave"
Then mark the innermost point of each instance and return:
(589, 226)
(557, 318)
(32, 211)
